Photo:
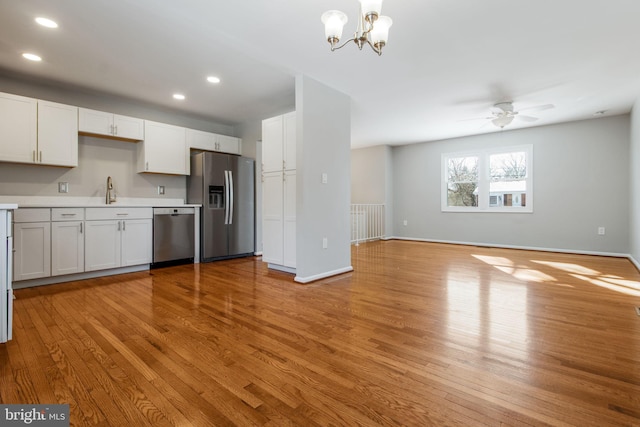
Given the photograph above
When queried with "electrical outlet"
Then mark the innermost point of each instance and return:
(161, 190)
(404, 222)
(325, 178)
(601, 231)
(325, 243)
(63, 187)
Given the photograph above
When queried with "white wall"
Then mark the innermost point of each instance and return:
(581, 182)
(634, 180)
(323, 132)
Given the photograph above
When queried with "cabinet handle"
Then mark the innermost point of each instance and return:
(146, 166)
(124, 226)
(34, 156)
(80, 228)
(116, 130)
(68, 214)
(284, 166)
(111, 129)
(40, 156)
(122, 214)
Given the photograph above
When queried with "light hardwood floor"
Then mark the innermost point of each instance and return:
(419, 334)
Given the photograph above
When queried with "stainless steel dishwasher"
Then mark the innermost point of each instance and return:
(173, 236)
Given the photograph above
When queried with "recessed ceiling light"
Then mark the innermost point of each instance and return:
(31, 57)
(178, 96)
(213, 79)
(46, 22)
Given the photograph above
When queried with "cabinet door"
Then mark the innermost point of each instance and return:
(32, 244)
(228, 144)
(128, 127)
(272, 218)
(289, 143)
(163, 150)
(57, 134)
(272, 139)
(95, 122)
(289, 216)
(136, 242)
(18, 128)
(201, 140)
(67, 247)
(102, 245)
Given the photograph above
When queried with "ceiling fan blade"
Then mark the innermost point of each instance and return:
(477, 118)
(527, 118)
(538, 107)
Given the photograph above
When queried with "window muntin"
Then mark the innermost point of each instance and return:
(489, 180)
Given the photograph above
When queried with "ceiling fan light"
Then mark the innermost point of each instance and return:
(502, 121)
(334, 22)
(380, 32)
(371, 9)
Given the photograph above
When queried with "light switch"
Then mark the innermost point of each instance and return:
(161, 190)
(63, 187)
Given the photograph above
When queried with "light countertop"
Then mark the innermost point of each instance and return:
(88, 202)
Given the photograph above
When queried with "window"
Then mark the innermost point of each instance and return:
(489, 180)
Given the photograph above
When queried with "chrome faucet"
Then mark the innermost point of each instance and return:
(111, 194)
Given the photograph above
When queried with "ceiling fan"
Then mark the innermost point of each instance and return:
(502, 113)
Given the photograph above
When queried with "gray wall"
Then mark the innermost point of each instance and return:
(634, 180)
(97, 159)
(581, 182)
(372, 179)
(323, 132)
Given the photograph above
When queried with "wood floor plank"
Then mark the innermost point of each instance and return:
(418, 334)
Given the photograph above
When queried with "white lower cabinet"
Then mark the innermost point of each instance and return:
(120, 242)
(67, 241)
(32, 244)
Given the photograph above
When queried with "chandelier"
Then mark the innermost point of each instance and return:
(373, 29)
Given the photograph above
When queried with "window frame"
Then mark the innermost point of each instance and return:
(484, 180)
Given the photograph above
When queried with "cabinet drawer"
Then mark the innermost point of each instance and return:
(118, 213)
(32, 215)
(67, 214)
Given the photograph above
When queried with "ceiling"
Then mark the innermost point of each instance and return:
(447, 61)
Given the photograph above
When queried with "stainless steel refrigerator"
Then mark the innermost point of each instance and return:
(225, 187)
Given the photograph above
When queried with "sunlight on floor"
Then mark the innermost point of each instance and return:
(519, 272)
(589, 275)
(627, 287)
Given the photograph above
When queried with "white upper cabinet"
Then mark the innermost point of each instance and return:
(164, 149)
(272, 143)
(18, 128)
(228, 144)
(279, 143)
(41, 132)
(209, 141)
(102, 123)
(57, 134)
(289, 142)
(201, 140)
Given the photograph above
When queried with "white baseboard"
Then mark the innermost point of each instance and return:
(527, 248)
(323, 275)
(279, 267)
(79, 276)
(634, 262)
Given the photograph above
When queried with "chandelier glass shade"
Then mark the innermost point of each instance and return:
(373, 28)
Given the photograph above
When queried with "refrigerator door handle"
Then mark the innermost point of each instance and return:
(231, 191)
(226, 196)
